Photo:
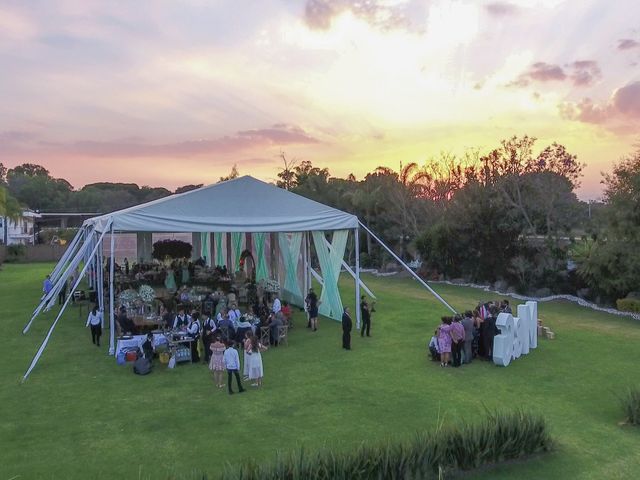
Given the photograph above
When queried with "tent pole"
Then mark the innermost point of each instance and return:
(406, 267)
(100, 289)
(112, 323)
(65, 257)
(38, 354)
(305, 265)
(357, 279)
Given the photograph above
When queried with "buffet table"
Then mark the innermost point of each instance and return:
(136, 341)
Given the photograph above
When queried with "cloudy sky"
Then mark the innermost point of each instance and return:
(176, 92)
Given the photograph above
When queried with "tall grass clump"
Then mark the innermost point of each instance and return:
(425, 455)
(631, 405)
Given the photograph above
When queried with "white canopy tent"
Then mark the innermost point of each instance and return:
(213, 214)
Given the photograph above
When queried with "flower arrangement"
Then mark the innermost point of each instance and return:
(249, 317)
(272, 286)
(147, 294)
(128, 297)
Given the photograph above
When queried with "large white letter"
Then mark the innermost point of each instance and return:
(533, 324)
(524, 331)
(503, 343)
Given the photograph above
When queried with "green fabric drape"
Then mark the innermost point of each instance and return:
(205, 247)
(290, 251)
(236, 241)
(221, 252)
(330, 263)
(262, 272)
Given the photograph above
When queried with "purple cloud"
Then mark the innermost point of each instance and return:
(501, 9)
(627, 44)
(584, 72)
(277, 135)
(621, 113)
(319, 14)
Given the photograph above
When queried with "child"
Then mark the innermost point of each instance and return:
(433, 347)
(232, 364)
(444, 341)
(256, 371)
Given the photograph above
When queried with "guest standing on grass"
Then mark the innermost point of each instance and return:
(347, 324)
(366, 317)
(433, 347)
(216, 364)
(232, 364)
(95, 322)
(256, 371)
(457, 340)
(47, 285)
(247, 353)
(467, 323)
(444, 341)
(62, 295)
(313, 303)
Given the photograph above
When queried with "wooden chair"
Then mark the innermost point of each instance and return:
(283, 335)
(265, 335)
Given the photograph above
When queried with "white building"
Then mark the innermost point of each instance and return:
(19, 231)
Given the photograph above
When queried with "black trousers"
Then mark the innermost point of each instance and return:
(96, 333)
(62, 296)
(194, 350)
(366, 325)
(456, 352)
(346, 339)
(206, 343)
(230, 378)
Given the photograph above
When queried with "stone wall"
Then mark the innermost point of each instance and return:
(37, 253)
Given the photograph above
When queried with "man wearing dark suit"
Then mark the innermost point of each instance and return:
(366, 317)
(347, 324)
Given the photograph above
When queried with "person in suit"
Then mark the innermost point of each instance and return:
(467, 323)
(347, 324)
(366, 317)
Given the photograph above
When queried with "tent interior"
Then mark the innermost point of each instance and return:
(279, 231)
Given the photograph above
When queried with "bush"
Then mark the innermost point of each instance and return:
(499, 437)
(172, 249)
(631, 405)
(15, 253)
(628, 305)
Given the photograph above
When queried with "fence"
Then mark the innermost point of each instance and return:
(36, 253)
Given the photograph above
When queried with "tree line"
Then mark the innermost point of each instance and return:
(508, 216)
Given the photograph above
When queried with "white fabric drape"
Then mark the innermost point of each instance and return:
(290, 251)
(330, 262)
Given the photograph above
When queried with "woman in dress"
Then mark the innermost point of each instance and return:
(256, 371)
(216, 364)
(444, 341)
(247, 354)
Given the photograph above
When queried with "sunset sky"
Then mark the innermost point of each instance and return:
(174, 92)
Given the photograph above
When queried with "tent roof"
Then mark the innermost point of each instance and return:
(244, 204)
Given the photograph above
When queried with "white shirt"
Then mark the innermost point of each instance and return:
(231, 359)
(94, 319)
(185, 319)
(434, 343)
(194, 328)
(276, 306)
(209, 323)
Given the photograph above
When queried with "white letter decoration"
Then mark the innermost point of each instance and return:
(517, 335)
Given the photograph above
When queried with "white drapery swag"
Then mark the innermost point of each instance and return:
(330, 262)
(205, 247)
(290, 244)
(237, 244)
(221, 248)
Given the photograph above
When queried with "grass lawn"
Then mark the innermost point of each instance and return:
(81, 416)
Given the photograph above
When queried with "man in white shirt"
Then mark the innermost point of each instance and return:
(234, 317)
(95, 322)
(232, 364)
(182, 320)
(277, 306)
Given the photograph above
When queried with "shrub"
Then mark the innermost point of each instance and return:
(628, 305)
(499, 437)
(15, 253)
(172, 249)
(631, 405)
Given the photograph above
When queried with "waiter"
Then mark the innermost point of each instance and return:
(194, 330)
(347, 324)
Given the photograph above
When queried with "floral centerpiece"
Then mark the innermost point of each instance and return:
(249, 317)
(128, 297)
(272, 286)
(146, 293)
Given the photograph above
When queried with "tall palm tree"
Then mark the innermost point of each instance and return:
(9, 208)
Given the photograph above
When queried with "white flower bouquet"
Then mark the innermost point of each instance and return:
(146, 293)
(272, 286)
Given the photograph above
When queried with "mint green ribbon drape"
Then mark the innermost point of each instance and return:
(236, 241)
(330, 263)
(262, 272)
(290, 251)
(205, 247)
(221, 253)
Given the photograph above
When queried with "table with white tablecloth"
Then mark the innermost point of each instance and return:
(136, 341)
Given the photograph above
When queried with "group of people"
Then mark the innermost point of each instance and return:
(461, 338)
(347, 322)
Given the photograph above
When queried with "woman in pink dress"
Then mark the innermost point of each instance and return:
(444, 341)
(216, 364)
(247, 354)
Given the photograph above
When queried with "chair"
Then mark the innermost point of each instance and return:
(265, 335)
(283, 335)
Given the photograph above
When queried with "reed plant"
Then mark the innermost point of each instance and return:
(631, 405)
